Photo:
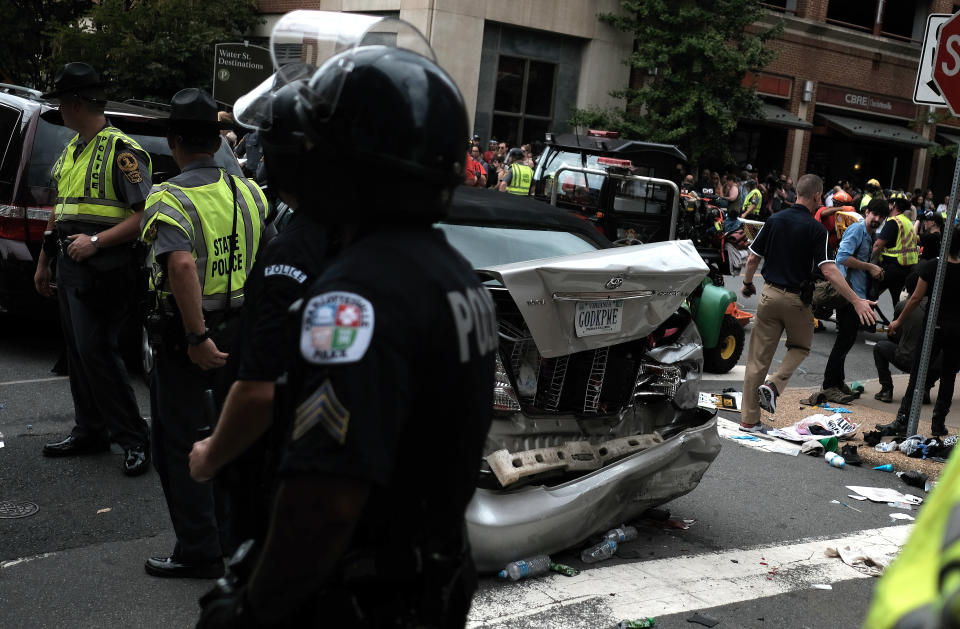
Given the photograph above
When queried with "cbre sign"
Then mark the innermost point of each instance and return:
(237, 69)
(946, 65)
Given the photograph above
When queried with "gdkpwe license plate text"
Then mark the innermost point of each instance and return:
(598, 317)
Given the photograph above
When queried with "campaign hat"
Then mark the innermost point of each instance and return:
(78, 78)
(192, 109)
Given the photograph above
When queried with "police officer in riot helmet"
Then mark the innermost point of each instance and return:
(394, 338)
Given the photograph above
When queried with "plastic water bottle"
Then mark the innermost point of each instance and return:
(835, 459)
(603, 550)
(622, 534)
(886, 446)
(523, 568)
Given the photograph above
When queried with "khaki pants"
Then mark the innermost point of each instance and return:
(778, 310)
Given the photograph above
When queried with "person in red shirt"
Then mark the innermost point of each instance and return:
(474, 174)
(842, 202)
(490, 152)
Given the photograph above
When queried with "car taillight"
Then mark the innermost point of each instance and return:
(23, 223)
(504, 397)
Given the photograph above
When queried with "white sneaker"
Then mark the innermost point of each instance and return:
(767, 397)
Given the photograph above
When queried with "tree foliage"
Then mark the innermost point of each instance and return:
(150, 49)
(27, 26)
(691, 57)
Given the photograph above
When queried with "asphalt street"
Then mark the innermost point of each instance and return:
(77, 561)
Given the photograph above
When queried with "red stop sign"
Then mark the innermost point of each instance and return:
(946, 65)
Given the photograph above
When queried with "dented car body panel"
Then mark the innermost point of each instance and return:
(597, 377)
(649, 282)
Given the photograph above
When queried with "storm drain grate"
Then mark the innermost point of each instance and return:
(20, 509)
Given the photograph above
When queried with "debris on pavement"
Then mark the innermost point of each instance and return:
(850, 455)
(639, 623)
(703, 619)
(838, 502)
(885, 494)
(856, 496)
(886, 446)
(901, 505)
(564, 569)
(731, 430)
(1, 439)
(887, 467)
(817, 427)
(901, 516)
(869, 560)
(104, 510)
(822, 586)
(726, 401)
(524, 568)
(914, 478)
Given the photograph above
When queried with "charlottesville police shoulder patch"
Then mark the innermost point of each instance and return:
(129, 167)
(337, 328)
(323, 409)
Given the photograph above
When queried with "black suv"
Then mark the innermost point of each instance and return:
(32, 137)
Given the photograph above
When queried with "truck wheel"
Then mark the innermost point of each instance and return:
(724, 356)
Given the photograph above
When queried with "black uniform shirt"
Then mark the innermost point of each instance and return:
(394, 383)
(949, 304)
(792, 243)
(930, 245)
(284, 269)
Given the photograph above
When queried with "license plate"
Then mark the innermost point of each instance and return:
(598, 317)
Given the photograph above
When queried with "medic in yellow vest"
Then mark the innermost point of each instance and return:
(898, 246)
(518, 177)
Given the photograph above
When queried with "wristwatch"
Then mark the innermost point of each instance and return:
(95, 240)
(195, 339)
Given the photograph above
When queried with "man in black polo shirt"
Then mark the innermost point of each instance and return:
(792, 243)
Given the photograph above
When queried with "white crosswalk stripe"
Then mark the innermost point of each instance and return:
(680, 584)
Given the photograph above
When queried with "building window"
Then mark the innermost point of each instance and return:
(786, 6)
(896, 19)
(523, 100)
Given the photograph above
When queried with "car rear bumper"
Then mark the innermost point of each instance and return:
(508, 525)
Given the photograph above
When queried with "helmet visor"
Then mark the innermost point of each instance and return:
(302, 41)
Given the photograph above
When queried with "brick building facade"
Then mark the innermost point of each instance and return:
(846, 72)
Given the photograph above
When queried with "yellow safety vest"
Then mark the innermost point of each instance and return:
(905, 250)
(754, 196)
(923, 585)
(521, 176)
(85, 189)
(206, 215)
(865, 201)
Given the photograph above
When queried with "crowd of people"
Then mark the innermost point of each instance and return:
(836, 253)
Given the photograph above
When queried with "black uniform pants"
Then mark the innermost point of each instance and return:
(177, 402)
(93, 308)
(848, 324)
(885, 354)
(948, 340)
(894, 277)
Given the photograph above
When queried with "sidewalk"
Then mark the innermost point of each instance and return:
(899, 387)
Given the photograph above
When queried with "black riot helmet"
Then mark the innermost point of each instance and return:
(397, 113)
(372, 101)
(515, 155)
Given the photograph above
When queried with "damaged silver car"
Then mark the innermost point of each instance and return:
(596, 414)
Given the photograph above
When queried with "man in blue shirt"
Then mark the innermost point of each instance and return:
(853, 260)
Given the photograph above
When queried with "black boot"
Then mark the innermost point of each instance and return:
(896, 428)
(939, 428)
(884, 395)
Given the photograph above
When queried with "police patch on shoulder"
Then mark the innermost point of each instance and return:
(129, 167)
(325, 409)
(336, 328)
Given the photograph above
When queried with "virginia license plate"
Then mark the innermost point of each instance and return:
(598, 317)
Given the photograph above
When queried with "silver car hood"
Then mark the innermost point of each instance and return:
(643, 285)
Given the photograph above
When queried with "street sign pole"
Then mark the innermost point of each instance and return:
(934, 306)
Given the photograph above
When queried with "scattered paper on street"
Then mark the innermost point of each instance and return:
(869, 558)
(885, 494)
(731, 430)
(723, 401)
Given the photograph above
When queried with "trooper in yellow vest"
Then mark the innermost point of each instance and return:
(204, 227)
(103, 178)
(898, 247)
(921, 589)
(518, 176)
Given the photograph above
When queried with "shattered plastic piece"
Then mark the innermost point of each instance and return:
(564, 569)
(856, 496)
(822, 586)
(746, 438)
(104, 510)
(702, 619)
(901, 516)
(639, 623)
(884, 468)
(901, 505)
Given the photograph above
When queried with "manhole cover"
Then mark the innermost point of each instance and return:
(20, 509)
